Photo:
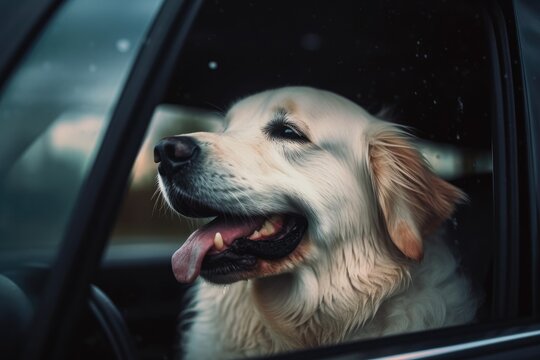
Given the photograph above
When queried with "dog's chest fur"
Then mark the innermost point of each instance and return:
(315, 307)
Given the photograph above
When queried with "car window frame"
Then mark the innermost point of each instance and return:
(505, 170)
(525, 52)
(87, 233)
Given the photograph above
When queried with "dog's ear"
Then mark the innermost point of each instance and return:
(413, 200)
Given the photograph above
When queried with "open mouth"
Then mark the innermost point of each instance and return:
(230, 245)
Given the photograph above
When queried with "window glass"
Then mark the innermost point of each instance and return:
(53, 113)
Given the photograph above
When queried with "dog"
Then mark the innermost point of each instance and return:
(325, 230)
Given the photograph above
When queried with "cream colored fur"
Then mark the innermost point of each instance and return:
(372, 262)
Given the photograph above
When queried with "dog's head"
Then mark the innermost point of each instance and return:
(296, 172)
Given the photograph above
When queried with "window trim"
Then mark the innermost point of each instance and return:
(465, 341)
(90, 224)
(524, 54)
(505, 171)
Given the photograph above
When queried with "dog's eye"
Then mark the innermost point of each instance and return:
(290, 133)
(285, 131)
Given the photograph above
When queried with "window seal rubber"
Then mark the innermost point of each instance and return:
(505, 170)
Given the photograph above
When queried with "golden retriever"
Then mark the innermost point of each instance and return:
(325, 228)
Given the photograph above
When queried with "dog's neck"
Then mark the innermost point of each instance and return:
(294, 306)
(317, 306)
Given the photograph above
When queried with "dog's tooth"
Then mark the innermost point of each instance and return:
(254, 236)
(267, 228)
(218, 241)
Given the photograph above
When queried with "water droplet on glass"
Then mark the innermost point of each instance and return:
(311, 42)
(123, 45)
(460, 105)
(458, 137)
(212, 65)
(435, 102)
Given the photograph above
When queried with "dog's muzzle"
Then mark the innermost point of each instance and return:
(232, 245)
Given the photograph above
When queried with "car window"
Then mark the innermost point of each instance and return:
(54, 111)
(423, 66)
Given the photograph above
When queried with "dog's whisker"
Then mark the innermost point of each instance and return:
(157, 198)
(245, 211)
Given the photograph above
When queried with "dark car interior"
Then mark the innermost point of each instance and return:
(426, 65)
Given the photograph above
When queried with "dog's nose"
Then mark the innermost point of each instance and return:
(175, 151)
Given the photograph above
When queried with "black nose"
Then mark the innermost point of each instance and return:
(174, 152)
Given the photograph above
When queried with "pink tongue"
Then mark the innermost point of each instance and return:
(187, 261)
